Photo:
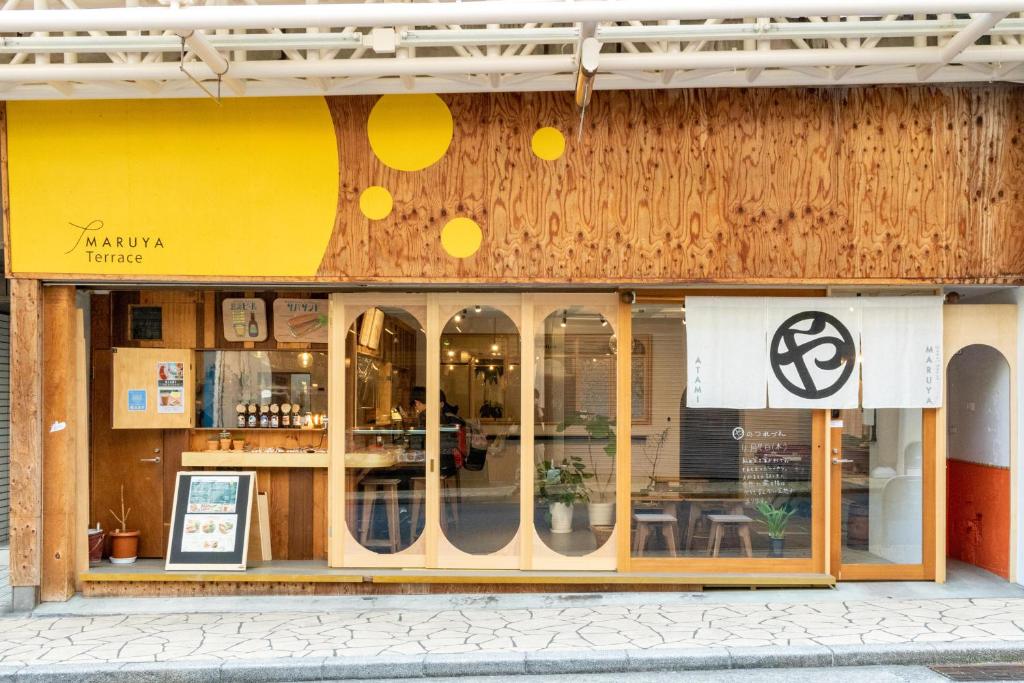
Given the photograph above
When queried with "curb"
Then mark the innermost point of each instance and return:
(546, 662)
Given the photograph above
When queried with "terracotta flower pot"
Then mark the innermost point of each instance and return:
(124, 548)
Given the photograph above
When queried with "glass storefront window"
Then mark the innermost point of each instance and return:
(480, 418)
(574, 431)
(385, 430)
(261, 389)
(709, 482)
(882, 486)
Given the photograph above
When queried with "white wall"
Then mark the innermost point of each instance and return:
(977, 407)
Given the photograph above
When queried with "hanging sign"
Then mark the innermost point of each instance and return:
(210, 520)
(813, 347)
(300, 320)
(902, 342)
(244, 320)
(726, 355)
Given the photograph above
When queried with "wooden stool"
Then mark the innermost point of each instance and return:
(419, 492)
(718, 525)
(388, 490)
(667, 524)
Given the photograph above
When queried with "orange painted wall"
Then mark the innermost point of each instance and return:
(978, 515)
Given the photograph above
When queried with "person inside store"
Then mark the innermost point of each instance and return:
(451, 455)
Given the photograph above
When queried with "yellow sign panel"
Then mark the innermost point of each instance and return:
(172, 187)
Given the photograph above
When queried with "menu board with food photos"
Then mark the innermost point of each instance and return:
(210, 521)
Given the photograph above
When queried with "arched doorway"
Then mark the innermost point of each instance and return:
(978, 458)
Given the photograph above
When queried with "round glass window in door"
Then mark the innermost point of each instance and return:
(385, 420)
(480, 406)
(574, 431)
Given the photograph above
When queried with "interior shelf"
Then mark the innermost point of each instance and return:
(252, 459)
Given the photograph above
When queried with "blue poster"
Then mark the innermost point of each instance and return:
(136, 400)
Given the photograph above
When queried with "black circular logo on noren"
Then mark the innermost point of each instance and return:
(796, 343)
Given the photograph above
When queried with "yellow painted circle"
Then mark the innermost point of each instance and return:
(410, 132)
(461, 237)
(548, 143)
(375, 202)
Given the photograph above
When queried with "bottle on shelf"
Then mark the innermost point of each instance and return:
(286, 417)
(264, 416)
(240, 419)
(296, 416)
(252, 419)
(275, 416)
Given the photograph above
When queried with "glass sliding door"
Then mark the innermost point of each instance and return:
(575, 415)
(881, 467)
(379, 456)
(480, 416)
(476, 431)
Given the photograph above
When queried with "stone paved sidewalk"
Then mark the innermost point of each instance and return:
(688, 623)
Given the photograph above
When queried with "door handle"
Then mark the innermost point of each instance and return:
(839, 461)
(156, 459)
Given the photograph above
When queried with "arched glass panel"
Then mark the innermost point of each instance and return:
(480, 418)
(385, 455)
(574, 442)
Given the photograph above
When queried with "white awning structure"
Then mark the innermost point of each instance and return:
(52, 49)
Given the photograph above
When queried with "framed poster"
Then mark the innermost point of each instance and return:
(300, 320)
(244, 319)
(210, 521)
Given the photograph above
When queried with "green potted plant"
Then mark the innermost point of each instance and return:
(601, 492)
(775, 519)
(561, 486)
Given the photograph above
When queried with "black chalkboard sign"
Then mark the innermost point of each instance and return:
(146, 323)
(210, 520)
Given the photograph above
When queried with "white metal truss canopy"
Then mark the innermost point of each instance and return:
(95, 49)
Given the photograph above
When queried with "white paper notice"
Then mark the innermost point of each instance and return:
(170, 387)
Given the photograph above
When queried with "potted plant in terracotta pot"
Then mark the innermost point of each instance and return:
(601, 491)
(124, 543)
(775, 519)
(561, 487)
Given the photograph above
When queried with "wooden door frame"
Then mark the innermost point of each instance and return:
(340, 543)
(922, 571)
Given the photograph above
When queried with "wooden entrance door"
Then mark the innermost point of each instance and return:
(133, 458)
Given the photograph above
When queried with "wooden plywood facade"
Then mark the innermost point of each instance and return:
(886, 184)
(759, 185)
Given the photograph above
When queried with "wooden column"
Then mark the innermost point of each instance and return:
(60, 416)
(26, 440)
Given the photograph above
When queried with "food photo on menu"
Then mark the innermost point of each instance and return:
(209, 533)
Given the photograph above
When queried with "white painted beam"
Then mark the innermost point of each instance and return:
(464, 13)
(979, 26)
